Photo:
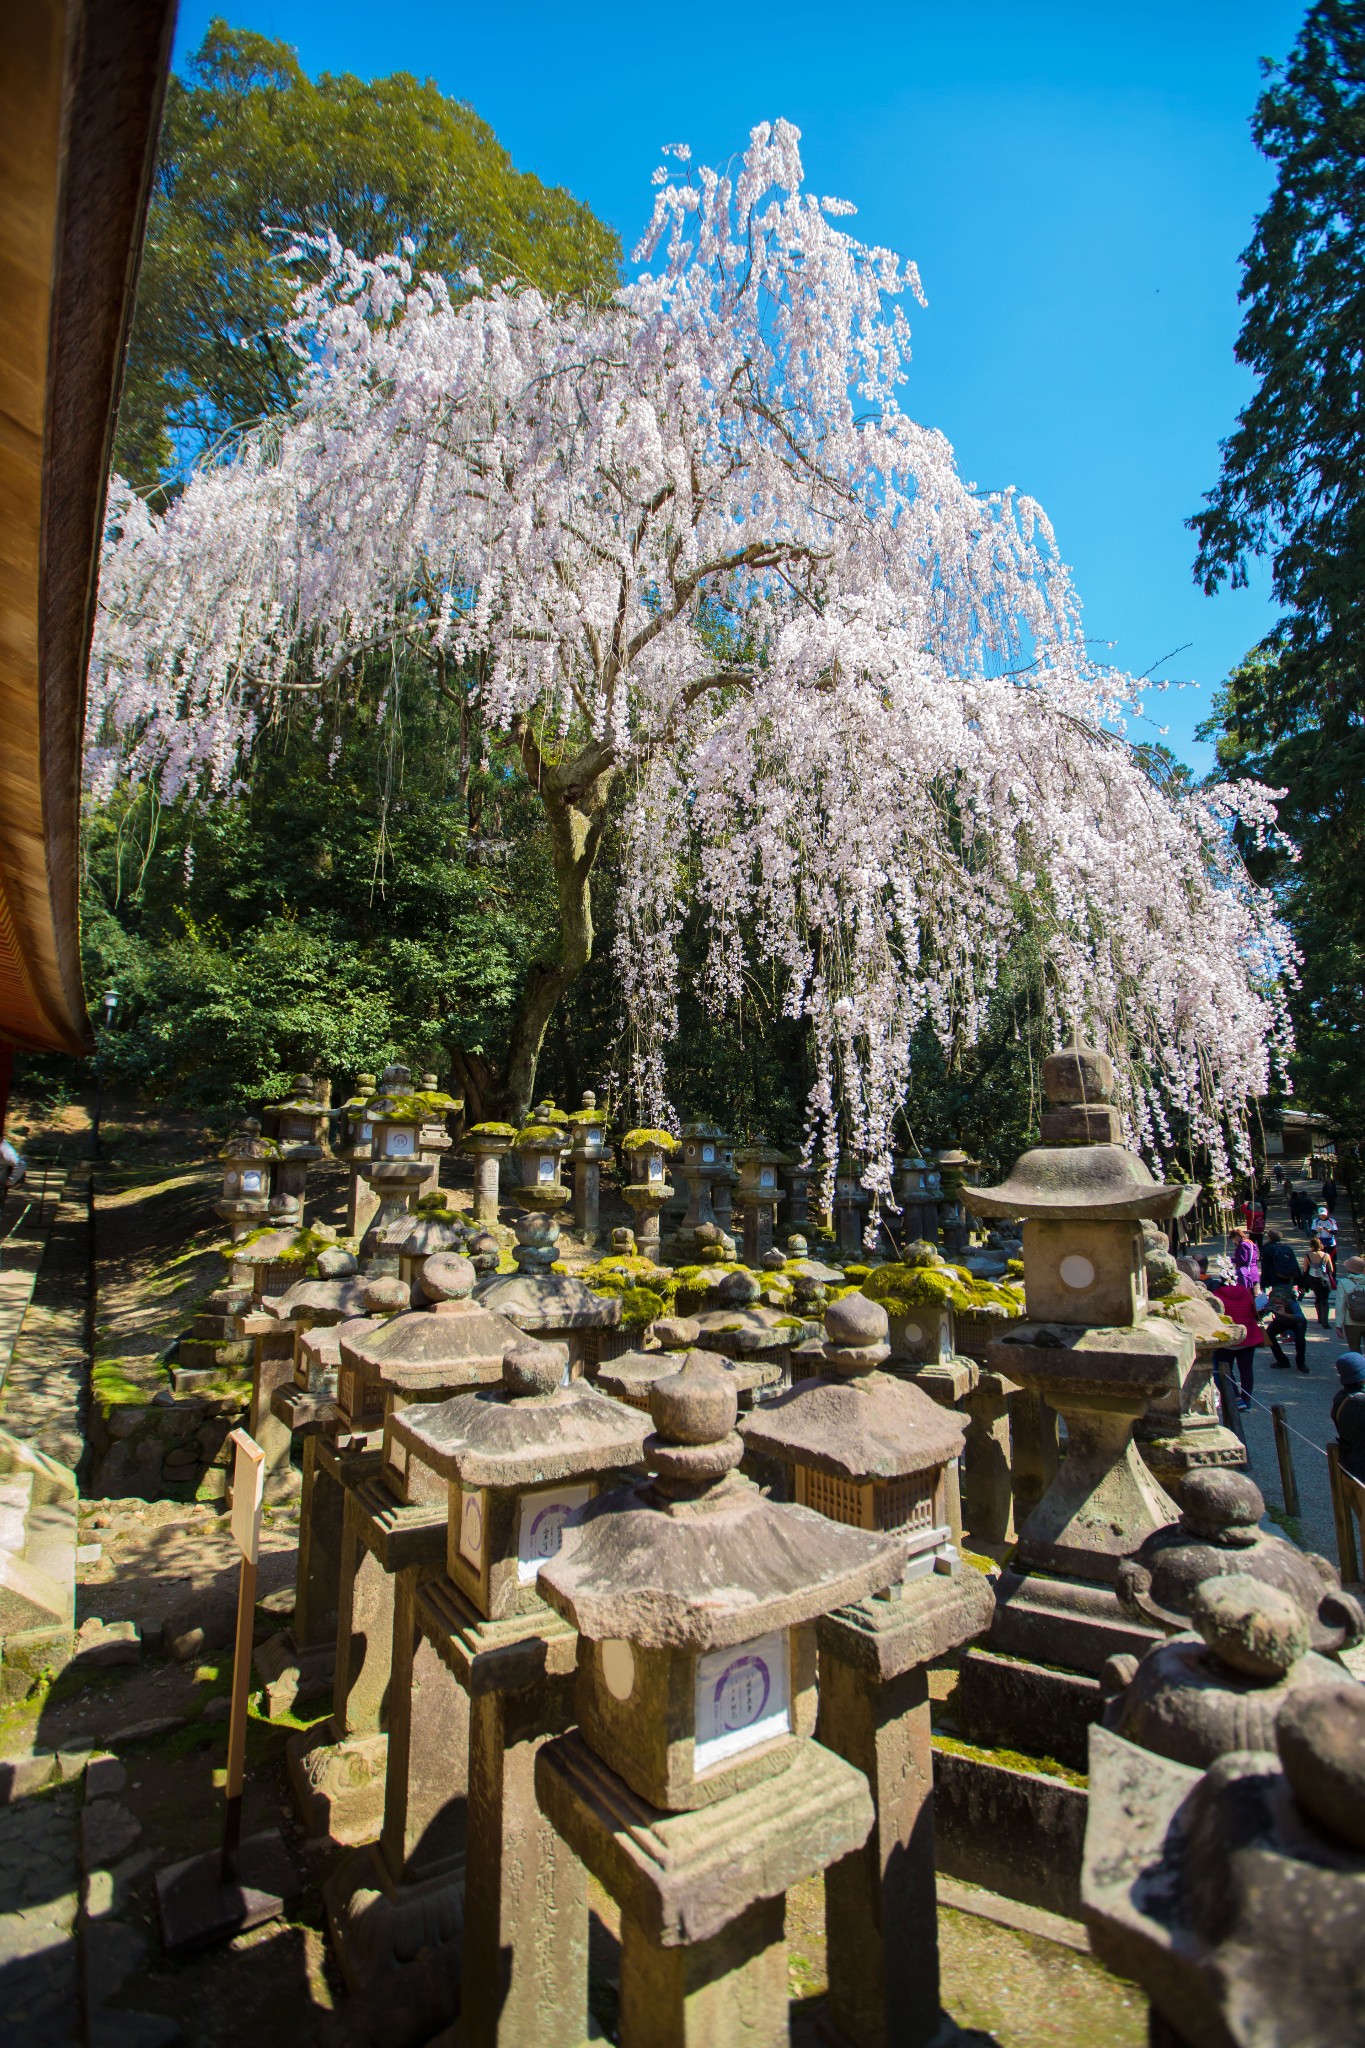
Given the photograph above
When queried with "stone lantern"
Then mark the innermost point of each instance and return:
(553, 1306)
(722, 1191)
(396, 1170)
(435, 1139)
(1090, 1348)
(796, 1179)
(355, 1139)
(394, 1525)
(589, 1152)
(953, 1166)
(428, 1236)
(630, 1377)
(851, 1204)
(919, 1193)
(693, 1788)
(540, 1147)
(872, 1452)
(521, 1464)
(299, 1123)
(1235, 1896)
(486, 1145)
(647, 1187)
(743, 1328)
(758, 1195)
(248, 1163)
(1181, 1433)
(702, 1164)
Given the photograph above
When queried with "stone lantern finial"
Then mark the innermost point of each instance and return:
(532, 1371)
(856, 1336)
(447, 1277)
(695, 1442)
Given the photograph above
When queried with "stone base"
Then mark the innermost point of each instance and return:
(885, 1638)
(1017, 1832)
(946, 1380)
(1010, 1703)
(212, 1355)
(293, 1674)
(1172, 1458)
(1070, 1622)
(682, 1877)
(378, 1925)
(338, 1786)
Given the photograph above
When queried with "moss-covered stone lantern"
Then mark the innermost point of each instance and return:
(396, 1170)
(701, 1165)
(758, 1193)
(723, 1189)
(521, 1463)
(248, 1162)
(540, 1149)
(355, 1138)
(487, 1145)
(590, 1153)
(435, 1139)
(647, 1187)
(919, 1195)
(693, 1788)
(873, 1452)
(796, 1179)
(553, 1306)
(299, 1124)
(953, 1166)
(1089, 1346)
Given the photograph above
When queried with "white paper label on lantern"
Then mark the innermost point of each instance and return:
(743, 1698)
(708, 1155)
(546, 1170)
(399, 1142)
(545, 1515)
(1076, 1271)
(366, 1132)
(765, 1179)
(656, 1168)
(471, 1528)
(251, 1183)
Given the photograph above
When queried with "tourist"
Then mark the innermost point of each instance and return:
(1301, 1207)
(1278, 1262)
(1239, 1306)
(1325, 1227)
(1348, 1413)
(1246, 1258)
(1320, 1277)
(1287, 1319)
(1329, 1195)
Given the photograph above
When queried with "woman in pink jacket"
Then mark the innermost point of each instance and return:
(1239, 1306)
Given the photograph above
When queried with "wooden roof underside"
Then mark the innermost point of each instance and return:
(81, 86)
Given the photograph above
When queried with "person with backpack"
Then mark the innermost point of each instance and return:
(1320, 1277)
(1348, 1413)
(1278, 1262)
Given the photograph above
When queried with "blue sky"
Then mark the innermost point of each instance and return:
(1076, 183)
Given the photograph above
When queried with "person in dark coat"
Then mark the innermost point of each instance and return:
(1348, 1413)
(1329, 1195)
(1287, 1319)
(1278, 1262)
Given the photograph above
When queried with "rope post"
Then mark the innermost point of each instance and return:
(1232, 1414)
(1345, 1523)
(1289, 1485)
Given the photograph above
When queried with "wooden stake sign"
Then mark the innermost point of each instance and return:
(211, 1897)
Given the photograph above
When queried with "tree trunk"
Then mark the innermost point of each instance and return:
(575, 800)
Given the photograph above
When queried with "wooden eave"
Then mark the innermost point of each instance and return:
(81, 89)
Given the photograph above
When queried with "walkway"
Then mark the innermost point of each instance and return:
(1306, 1400)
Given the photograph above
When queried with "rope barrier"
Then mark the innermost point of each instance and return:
(1256, 1402)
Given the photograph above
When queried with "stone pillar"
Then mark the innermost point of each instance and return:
(486, 1144)
(988, 1503)
(1035, 1450)
(881, 1906)
(272, 1366)
(730, 1988)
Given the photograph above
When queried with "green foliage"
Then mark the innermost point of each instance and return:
(338, 914)
(1293, 487)
(250, 143)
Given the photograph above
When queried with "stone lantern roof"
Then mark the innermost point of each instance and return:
(246, 1142)
(319, 1301)
(1080, 1173)
(434, 1346)
(860, 1423)
(699, 1559)
(531, 1431)
(301, 1101)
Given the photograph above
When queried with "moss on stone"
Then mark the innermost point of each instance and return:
(493, 1130)
(1012, 1760)
(539, 1134)
(637, 1140)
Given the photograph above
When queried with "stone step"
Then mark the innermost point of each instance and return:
(193, 1354)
